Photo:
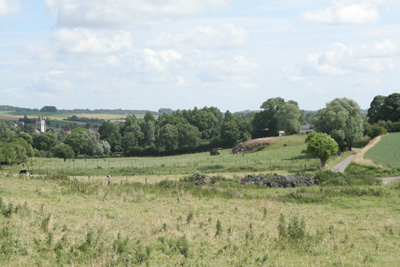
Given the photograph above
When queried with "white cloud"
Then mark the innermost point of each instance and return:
(338, 59)
(293, 74)
(380, 49)
(9, 7)
(86, 41)
(344, 12)
(236, 69)
(125, 13)
(158, 61)
(205, 38)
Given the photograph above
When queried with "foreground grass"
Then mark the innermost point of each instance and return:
(56, 221)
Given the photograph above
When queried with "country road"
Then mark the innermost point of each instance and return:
(341, 167)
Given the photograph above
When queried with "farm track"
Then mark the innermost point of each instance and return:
(341, 167)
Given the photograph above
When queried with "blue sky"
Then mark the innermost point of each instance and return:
(148, 54)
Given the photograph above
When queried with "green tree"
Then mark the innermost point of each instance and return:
(149, 132)
(29, 128)
(77, 140)
(44, 141)
(375, 109)
(110, 132)
(265, 123)
(48, 109)
(129, 143)
(374, 130)
(321, 146)
(290, 118)
(64, 151)
(168, 138)
(131, 125)
(25, 136)
(342, 120)
(5, 131)
(11, 153)
(230, 134)
(188, 136)
(391, 108)
(23, 143)
(149, 117)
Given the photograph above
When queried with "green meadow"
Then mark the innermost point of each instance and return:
(284, 156)
(70, 214)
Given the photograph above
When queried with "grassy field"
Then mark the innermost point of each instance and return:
(387, 151)
(282, 157)
(146, 217)
(55, 221)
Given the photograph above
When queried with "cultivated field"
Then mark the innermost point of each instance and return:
(387, 151)
(59, 116)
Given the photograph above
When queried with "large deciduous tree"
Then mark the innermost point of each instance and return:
(290, 118)
(384, 108)
(168, 138)
(375, 110)
(44, 141)
(342, 120)
(64, 151)
(321, 146)
(5, 131)
(277, 115)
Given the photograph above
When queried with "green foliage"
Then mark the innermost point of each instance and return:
(85, 142)
(328, 178)
(48, 109)
(168, 137)
(374, 130)
(320, 145)
(5, 131)
(11, 153)
(371, 171)
(64, 151)
(385, 108)
(342, 120)
(290, 118)
(44, 141)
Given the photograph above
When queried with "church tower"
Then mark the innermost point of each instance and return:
(41, 124)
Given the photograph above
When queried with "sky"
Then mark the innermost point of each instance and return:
(230, 54)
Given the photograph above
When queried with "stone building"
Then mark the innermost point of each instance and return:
(40, 125)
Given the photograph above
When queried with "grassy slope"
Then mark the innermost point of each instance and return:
(282, 157)
(387, 151)
(345, 230)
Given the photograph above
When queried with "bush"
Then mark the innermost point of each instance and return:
(329, 178)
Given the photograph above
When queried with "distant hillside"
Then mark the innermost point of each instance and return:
(77, 111)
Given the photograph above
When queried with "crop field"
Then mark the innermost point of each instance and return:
(59, 116)
(387, 151)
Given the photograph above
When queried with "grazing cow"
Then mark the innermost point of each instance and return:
(109, 176)
(215, 151)
(24, 172)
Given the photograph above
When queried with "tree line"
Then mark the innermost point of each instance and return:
(197, 130)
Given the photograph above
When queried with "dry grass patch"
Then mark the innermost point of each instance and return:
(359, 157)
